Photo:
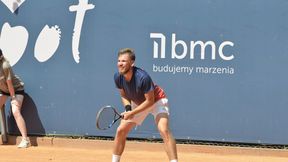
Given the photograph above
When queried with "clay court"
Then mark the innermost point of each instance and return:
(56, 149)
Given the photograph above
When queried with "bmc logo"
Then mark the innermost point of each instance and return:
(193, 44)
(13, 40)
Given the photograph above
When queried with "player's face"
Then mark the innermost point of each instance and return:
(125, 64)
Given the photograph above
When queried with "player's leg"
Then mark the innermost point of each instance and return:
(162, 122)
(123, 130)
(16, 110)
(120, 139)
(161, 114)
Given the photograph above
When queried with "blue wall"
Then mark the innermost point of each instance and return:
(237, 91)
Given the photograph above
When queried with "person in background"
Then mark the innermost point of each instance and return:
(12, 86)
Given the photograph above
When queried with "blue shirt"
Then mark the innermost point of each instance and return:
(139, 84)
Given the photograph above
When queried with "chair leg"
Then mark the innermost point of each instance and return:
(3, 125)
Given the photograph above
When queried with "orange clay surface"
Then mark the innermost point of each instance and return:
(56, 149)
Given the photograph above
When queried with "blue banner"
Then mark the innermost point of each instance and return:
(222, 64)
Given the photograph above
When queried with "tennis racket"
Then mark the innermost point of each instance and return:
(106, 117)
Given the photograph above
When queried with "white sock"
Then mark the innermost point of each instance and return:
(116, 158)
(175, 160)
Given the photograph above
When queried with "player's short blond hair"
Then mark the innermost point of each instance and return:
(128, 51)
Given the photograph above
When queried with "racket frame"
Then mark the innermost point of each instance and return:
(119, 116)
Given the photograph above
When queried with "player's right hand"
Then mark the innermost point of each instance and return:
(127, 115)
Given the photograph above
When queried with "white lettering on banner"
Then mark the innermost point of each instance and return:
(80, 9)
(156, 46)
(215, 70)
(13, 5)
(47, 43)
(190, 49)
(203, 47)
(174, 44)
(13, 40)
(174, 69)
(193, 45)
(220, 50)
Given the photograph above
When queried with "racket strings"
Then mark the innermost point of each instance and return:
(106, 118)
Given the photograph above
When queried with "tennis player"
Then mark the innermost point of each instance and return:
(141, 97)
(11, 85)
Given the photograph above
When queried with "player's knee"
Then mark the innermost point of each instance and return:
(122, 131)
(164, 132)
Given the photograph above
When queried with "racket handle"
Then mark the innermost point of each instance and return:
(128, 108)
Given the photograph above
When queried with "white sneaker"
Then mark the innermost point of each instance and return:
(23, 144)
